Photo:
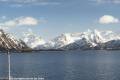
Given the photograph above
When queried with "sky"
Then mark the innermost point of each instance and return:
(50, 18)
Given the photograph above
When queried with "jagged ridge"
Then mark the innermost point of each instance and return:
(8, 42)
(72, 41)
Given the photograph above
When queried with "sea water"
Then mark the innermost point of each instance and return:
(64, 65)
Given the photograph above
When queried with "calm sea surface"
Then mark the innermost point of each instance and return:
(64, 65)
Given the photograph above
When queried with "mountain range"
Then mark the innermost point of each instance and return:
(89, 40)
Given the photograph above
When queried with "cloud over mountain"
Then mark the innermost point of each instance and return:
(27, 21)
(20, 21)
(107, 19)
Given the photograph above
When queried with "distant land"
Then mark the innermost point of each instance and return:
(89, 40)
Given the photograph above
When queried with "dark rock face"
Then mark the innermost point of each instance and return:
(8, 42)
(113, 44)
(86, 45)
(80, 44)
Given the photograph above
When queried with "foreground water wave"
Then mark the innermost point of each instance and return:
(64, 65)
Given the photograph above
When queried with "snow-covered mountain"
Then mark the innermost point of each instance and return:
(9, 42)
(69, 41)
(32, 40)
(95, 40)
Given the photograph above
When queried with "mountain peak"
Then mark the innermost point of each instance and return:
(83, 40)
(8, 42)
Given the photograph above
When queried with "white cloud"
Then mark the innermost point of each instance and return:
(3, 17)
(20, 3)
(27, 21)
(21, 21)
(10, 23)
(107, 1)
(107, 19)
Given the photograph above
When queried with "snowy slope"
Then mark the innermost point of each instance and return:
(32, 40)
(9, 42)
(94, 40)
(84, 40)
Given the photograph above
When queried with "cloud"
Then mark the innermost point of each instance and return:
(20, 21)
(3, 17)
(107, 1)
(10, 23)
(108, 19)
(20, 3)
(27, 21)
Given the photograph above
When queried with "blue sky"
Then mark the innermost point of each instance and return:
(49, 18)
